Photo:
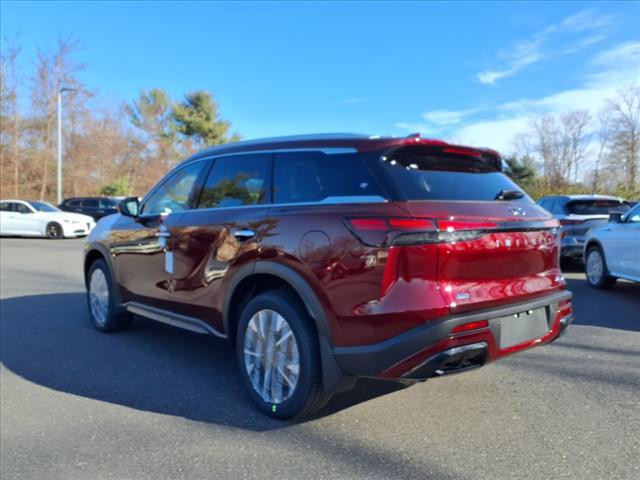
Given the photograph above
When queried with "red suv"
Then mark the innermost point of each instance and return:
(325, 259)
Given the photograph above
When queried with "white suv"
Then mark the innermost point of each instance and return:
(612, 251)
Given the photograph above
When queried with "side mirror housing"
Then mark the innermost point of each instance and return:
(615, 217)
(129, 207)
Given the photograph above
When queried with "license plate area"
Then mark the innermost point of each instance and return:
(522, 327)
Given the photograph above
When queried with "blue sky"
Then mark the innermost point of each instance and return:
(470, 72)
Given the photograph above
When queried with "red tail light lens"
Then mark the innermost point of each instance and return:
(416, 231)
(468, 327)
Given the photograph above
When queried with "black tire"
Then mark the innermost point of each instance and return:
(54, 231)
(116, 318)
(603, 281)
(308, 395)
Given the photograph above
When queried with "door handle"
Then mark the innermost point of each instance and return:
(163, 234)
(244, 234)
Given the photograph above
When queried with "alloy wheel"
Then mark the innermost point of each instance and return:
(99, 296)
(271, 356)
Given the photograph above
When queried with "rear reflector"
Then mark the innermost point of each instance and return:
(468, 327)
(571, 222)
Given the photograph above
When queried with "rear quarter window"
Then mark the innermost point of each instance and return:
(301, 177)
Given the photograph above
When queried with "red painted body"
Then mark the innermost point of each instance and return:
(370, 291)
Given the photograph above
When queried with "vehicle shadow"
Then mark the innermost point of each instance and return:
(595, 307)
(48, 340)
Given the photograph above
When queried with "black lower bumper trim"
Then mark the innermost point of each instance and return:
(370, 360)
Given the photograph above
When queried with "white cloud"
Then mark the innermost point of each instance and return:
(587, 20)
(522, 55)
(611, 70)
(447, 117)
(525, 53)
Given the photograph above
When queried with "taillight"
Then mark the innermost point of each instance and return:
(416, 231)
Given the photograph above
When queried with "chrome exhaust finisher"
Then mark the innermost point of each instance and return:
(452, 360)
(564, 323)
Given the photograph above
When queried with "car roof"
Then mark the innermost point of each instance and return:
(352, 141)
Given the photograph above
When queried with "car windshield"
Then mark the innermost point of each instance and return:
(597, 207)
(44, 207)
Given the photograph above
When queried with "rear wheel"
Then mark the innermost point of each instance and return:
(106, 315)
(279, 358)
(596, 270)
(54, 231)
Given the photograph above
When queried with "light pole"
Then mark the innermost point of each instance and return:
(60, 92)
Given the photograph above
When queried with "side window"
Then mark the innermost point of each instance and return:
(173, 194)
(544, 203)
(90, 202)
(5, 207)
(634, 215)
(314, 176)
(107, 203)
(21, 208)
(73, 203)
(235, 181)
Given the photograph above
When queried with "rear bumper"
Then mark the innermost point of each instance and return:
(572, 247)
(432, 350)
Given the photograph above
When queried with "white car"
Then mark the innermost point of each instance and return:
(41, 219)
(612, 251)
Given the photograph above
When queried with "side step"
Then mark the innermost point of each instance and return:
(180, 321)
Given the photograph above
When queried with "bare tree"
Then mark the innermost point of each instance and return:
(624, 149)
(10, 116)
(55, 69)
(573, 142)
(604, 135)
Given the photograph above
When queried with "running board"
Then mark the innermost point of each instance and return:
(180, 321)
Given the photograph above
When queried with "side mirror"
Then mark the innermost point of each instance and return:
(615, 217)
(129, 207)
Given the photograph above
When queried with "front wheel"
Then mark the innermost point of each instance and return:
(54, 231)
(596, 270)
(106, 315)
(279, 358)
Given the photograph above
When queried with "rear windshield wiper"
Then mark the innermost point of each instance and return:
(509, 195)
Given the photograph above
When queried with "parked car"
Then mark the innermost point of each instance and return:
(324, 259)
(612, 251)
(41, 219)
(96, 207)
(577, 214)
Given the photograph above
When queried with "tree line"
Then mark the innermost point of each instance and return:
(125, 149)
(121, 150)
(579, 152)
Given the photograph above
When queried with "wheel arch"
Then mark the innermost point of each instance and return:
(261, 276)
(95, 252)
(266, 275)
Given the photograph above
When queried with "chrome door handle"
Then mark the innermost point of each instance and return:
(163, 234)
(244, 234)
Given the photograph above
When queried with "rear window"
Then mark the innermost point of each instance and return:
(597, 207)
(425, 175)
(301, 177)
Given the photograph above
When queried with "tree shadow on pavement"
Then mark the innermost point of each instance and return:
(48, 340)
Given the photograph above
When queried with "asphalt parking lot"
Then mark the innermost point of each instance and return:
(155, 402)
